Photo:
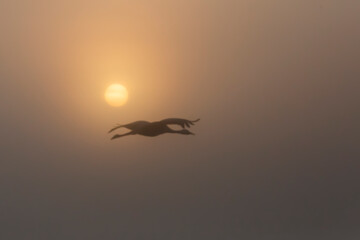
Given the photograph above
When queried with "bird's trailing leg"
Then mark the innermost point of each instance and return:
(184, 123)
(192, 122)
(188, 123)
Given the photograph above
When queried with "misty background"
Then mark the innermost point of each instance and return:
(275, 83)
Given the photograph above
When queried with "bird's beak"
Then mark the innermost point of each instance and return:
(115, 136)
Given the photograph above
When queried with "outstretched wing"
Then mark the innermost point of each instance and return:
(132, 126)
(179, 121)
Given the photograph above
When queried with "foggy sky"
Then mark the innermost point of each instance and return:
(275, 83)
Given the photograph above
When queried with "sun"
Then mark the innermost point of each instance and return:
(116, 95)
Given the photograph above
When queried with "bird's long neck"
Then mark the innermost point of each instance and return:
(122, 135)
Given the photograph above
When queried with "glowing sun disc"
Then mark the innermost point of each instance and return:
(116, 95)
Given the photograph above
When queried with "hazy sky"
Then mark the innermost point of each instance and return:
(275, 83)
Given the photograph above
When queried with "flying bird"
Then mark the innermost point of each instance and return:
(153, 129)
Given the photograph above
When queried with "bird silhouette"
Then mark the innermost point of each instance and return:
(153, 129)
